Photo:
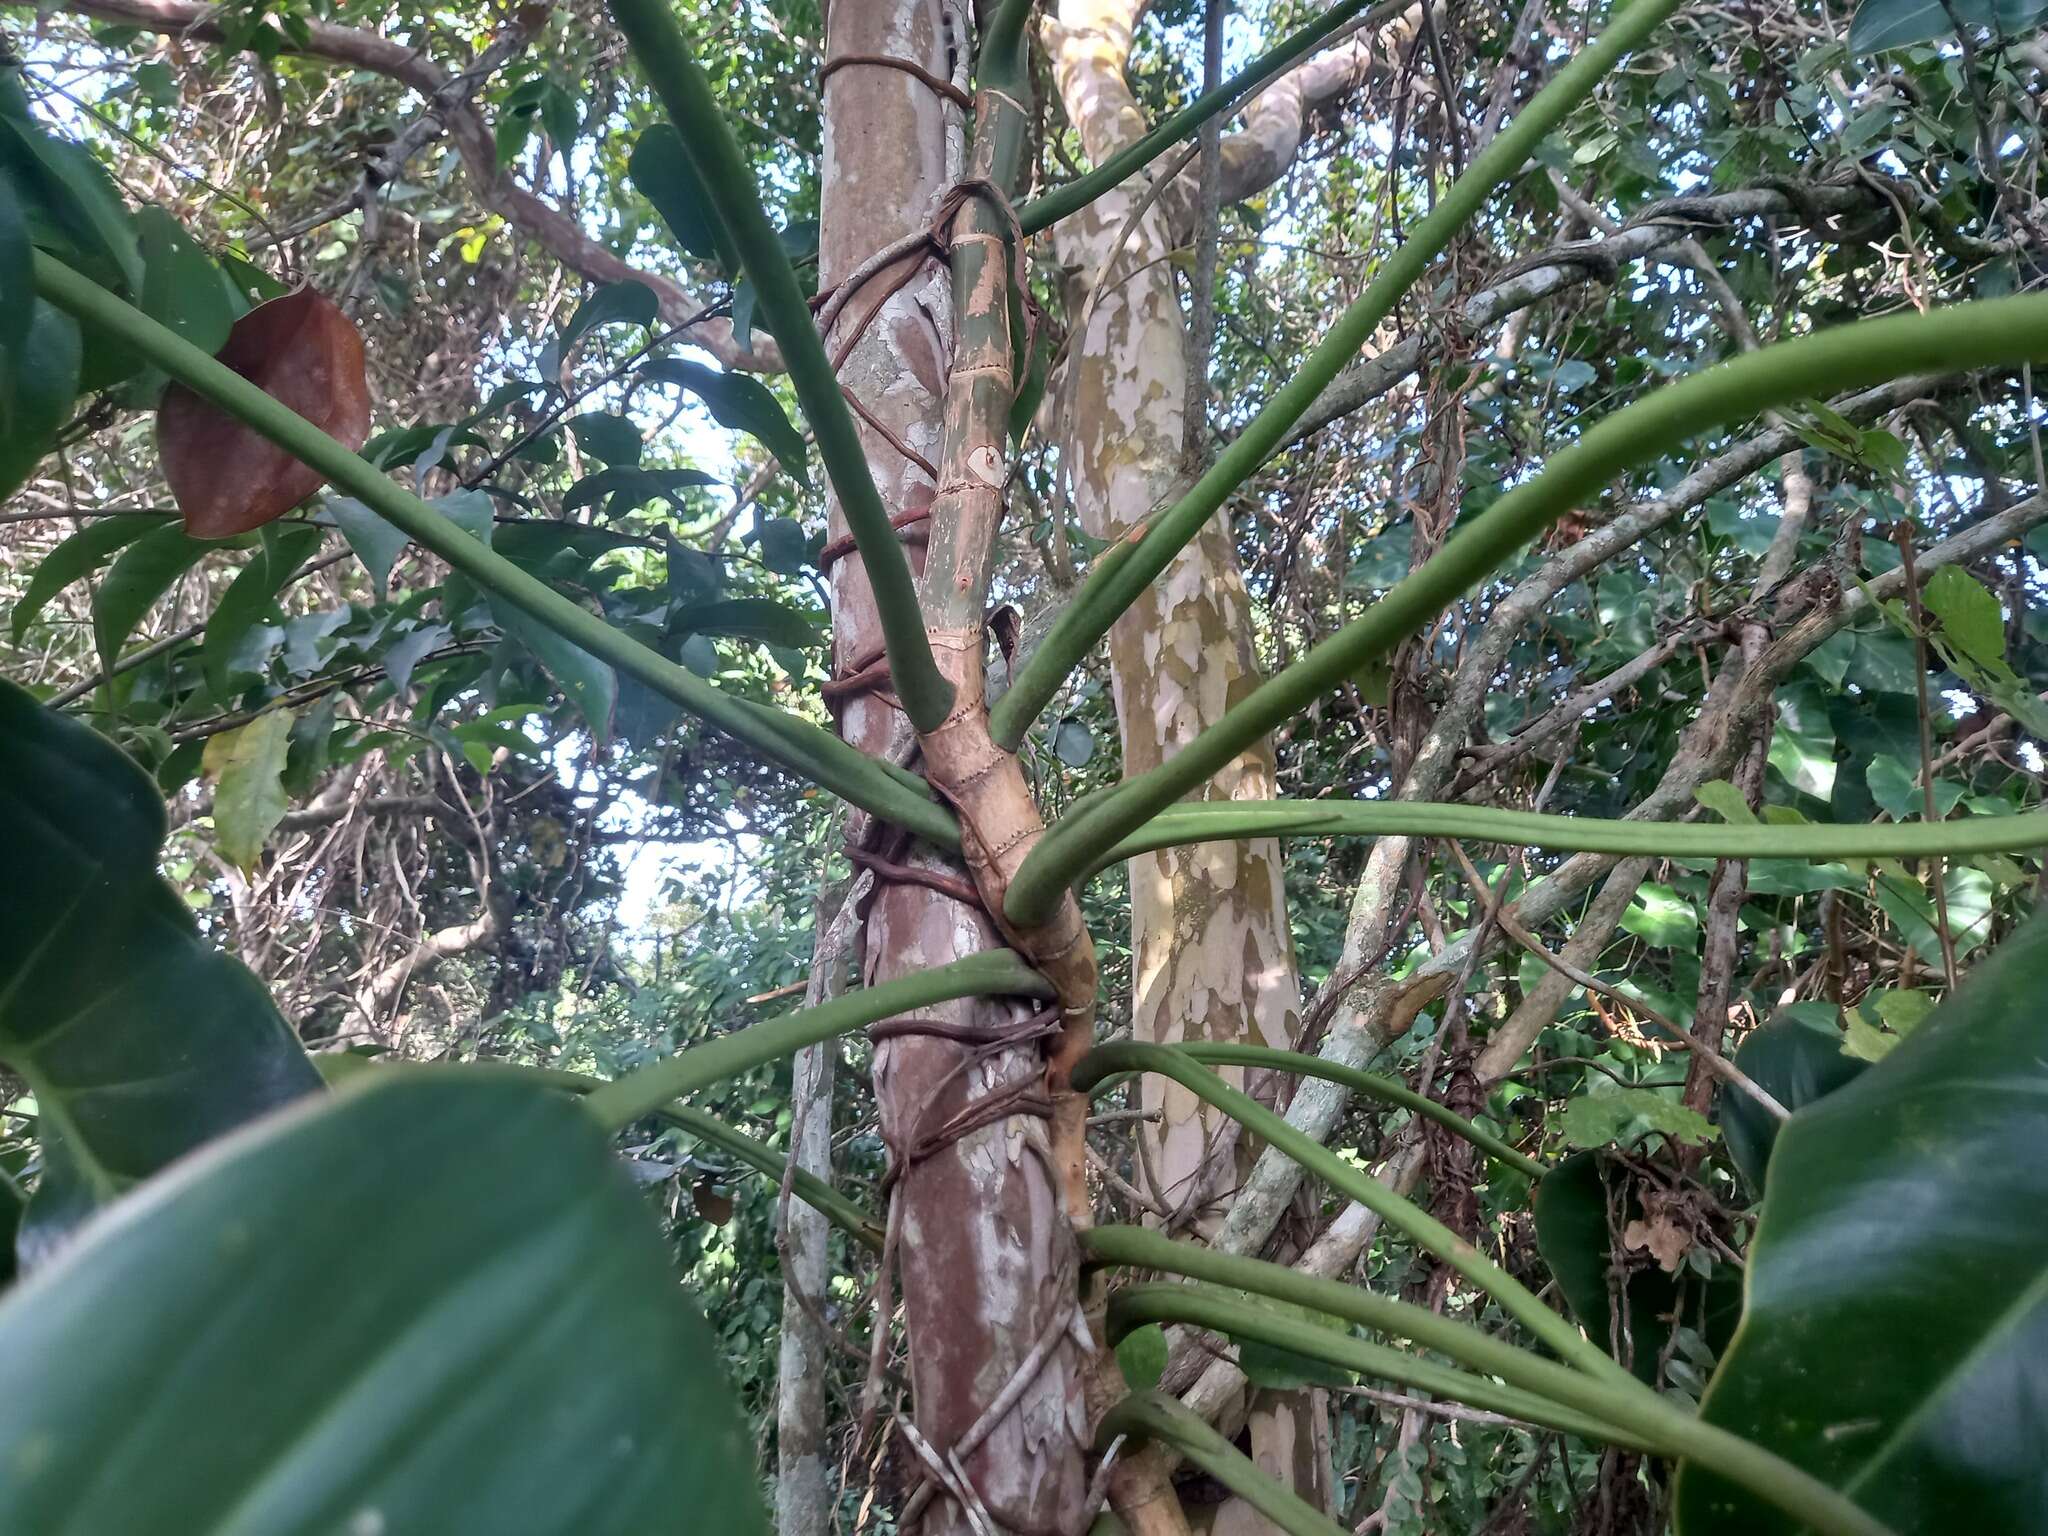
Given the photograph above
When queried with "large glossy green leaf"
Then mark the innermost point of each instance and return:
(1795, 1064)
(1880, 24)
(1572, 1234)
(1896, 1339)
(431, 1304)
(663, 174)
(38, 381)
(140, 1040)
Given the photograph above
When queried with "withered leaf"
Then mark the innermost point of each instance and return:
(226, 478)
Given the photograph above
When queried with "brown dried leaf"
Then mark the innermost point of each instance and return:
(302, 351)
(1663, 1238)
(713, 1202)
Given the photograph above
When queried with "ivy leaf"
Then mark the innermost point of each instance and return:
(1662, 918)
(247, 766)
(1897, 788)
(739, 403)
(1970, 616)
(1601, 1118)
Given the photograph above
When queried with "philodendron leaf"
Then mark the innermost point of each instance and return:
(140, 1041)
(431, 1303)
(1896, 1337)
(1795, 1064)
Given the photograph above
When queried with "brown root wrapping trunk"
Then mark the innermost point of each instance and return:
(984, 1254)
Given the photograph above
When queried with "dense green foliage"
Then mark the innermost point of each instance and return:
(508, 747)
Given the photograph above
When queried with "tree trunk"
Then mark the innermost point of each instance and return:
(986, 1257)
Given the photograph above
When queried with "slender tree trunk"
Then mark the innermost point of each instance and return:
(985, 1254)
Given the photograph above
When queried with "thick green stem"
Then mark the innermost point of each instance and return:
(796, 744)
(1148, 1416)
(1403, 1215)
(1977, 335)
(1224, 820)
(1385, 1089)
(1240, 1318)
(1047, 209)
(1638, 1418)
(994, 973)
(657, 42)
(1110, 590)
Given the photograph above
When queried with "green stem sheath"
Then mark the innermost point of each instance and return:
(664, 56)
(1385, 1089)
(803, 748)
(1109, 591)
(993, 973)
(1965, 336)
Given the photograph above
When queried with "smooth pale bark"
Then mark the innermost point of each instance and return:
(1212, 958)
(985, 1255)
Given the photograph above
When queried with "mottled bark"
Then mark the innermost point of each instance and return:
(1212, 957)
(985, 1254)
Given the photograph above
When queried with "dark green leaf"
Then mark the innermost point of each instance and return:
(407, 651)
(1573, 1233)
(79, 555)
(630, 302)
(630, 488)
(784, 545)
(181, 287)
(662, 172)
(1141, 1357)
(250, 597)
(1073, 743)
(1898, 1281)
(17, 270)
(142, 574)
(700, 655)
(591, 685)
(1880, 24)
(1795, 1064)
(39, 378)
(740, 403)
(376, 543)
(429, 1304)
(140, 1041)
(72, 205)
(1896, 787)
(747, 618)
(615, 439)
